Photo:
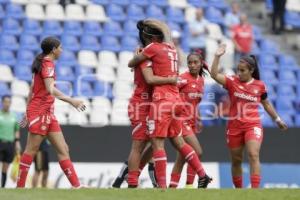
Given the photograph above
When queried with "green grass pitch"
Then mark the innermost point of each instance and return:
(150, 194)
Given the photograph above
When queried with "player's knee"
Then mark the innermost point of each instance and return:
(253, 156)
(237, 161)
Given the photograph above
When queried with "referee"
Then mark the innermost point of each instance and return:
(9, 137)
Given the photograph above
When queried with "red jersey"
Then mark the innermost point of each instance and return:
(191, 92)
(41, 101)
(164, 63)
(243, 35)
(244, 102)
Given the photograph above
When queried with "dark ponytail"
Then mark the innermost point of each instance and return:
(47, 45)
(252, 62)
(204, 66)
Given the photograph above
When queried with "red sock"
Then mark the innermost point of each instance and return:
(132, 179)
(141, 167)
(255, 181)
(237, 181)
(191, 157)
(160, 164)
(190, 175)
(68, 169)
(25, 163)
(174, 180)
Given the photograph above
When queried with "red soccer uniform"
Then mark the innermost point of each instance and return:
(243, 36)
(139, 104)
(244, 120)
(40, 110)
(163, 110)
(191, 92)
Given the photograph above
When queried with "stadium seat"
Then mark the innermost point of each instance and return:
(61, 107)
(23, 72)
(55, 12)
(297, 120)
(72, 28)
(269, 6)
(77, 118)
(140, 2)
(121, 90)
(130, 28)
(267, 121)
(214, 31)
(65, 87)
(65, 73)
(160, 3)
(270, 47)
(107, 59)
(11, 26)
(293, 5)
(84, 71)
(101, 2)
(121, 3)
(174, 26)
(67, 58)
(18, 104)
(7, 57)
(190, 14)
(20, 88)
(220, 4)
(70, 42)
(35, 11)
(284, 105)
(272, 95)
(178, 4)
(124, 57)
(198, 3)
(257, 33)
(214, 15)
(95, 13)
(92, 28)
(155, 12)
(87, 58)
(75, 12)
(2, 12)
(268, 61)
(4, 1)
(115, 12)
(110, 43)
(83, 2)
(135, 12)
(89, 42)
(102, 89)
(14, 11)
(286, 91)
(62, 118)
(29, 42)
(101, 103)
(129, 43)
(269, 76)
(292, 19)
(112, 28)
(255, 49)
(52, 28)
(175, 15)
(288, 62)
(106, 74)
(119, 114)
(32, 27)
(287, 77)
(85, 89)
(98, 118)
(287, 118)
(25, 57)
(8, 42)
(4, 89)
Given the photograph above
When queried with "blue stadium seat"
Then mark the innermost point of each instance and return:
(267, 121)
(11, 26)
(7, 57)
(82, 70)
(29, 42)
(4, 1)
(198, 3)
(122, 3)
(174, 26)
(101, 2)
(8, 42)
(140, 2)
(269, 5)
(32, 27)
(52, 28)
(112, 28)
(258, 36)
(287, 77)
(297, 120)
(272, 95)
(110, 43)
(89, 42)
(214, 15)
(2, 13)
(25, 57)
(72, 28)
(175, 15)
(288, 62)
(135, 12)
(285, 105)
(130, 28)
(115, 12)
(92, 28)
(70, 42)
(103, 89)
(255, 49)
(65, 87)
(220, 4)
(155, 12)
(85, 89)
(292, 19)
(129, 43)
(269, 76)
(160, 3)
(4, 89)
(268, 61)
(286, 91)
(287, 118)
(65, 73)
(67, 58)
(270, 47)
(23, 72)
(14, 11)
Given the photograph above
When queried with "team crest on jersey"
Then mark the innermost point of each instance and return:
(50, 71)
(241, 87)
(255, 91)
(43, 127)
(193, 86)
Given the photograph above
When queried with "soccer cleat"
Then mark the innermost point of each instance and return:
(189, 186)
(118, 182)
(122, 176)
(151, 171)
(204, 181)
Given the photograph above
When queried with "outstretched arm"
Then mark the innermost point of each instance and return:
(214, 72)
(151, 79)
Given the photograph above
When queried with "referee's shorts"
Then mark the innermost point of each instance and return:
(7, 151)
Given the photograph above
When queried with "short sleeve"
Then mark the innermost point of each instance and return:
(182, 82)
(47, 70)
(229, 82)
(145, 64)
(150, 50)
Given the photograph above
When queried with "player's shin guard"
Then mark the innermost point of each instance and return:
(160, 163)
(122, 175)
(25, 163)
(237, 181)
(190, 175)
(174, 180)
(133, 177)
(255, 181)
(151, 172)
(68, 169)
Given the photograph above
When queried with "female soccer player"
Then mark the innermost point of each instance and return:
(40, 113)
(163, 121)
(244, 129)
(191, 89)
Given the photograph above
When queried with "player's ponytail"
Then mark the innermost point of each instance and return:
(252, 62)
(47, 46)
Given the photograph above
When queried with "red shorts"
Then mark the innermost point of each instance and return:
(163, 121)
(138, 114)
(238, 137)
(43, 124)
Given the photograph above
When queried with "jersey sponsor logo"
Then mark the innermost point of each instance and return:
(194, 95)
(245, 96)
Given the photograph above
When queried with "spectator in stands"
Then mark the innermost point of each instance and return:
(232, 17)
(198, 32)
(242, 36)
(181, 55)
(278, 13)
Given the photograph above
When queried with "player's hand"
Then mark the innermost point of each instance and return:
(282, 125)
(78, 104)
(221, 50)
(200, 126)
(23, 123)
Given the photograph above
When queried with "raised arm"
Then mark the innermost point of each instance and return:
(214, 72)
(151, 79)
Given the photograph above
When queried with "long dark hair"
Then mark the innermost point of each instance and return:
(204, 65)
(148, 32)
(252, 63)
(47, 45)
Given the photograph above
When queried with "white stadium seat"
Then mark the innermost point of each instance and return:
(95, 13)
(101, 103)
(6, 73)
(124, 57)
(61, 118)
(124, 73)
(119, 114)
(18, 104)
(75, 12)
(20, 1)
(108, 59)
(20, 88)
(87, 58)
(179, 4)
(77, 118)
(106, 74)
(214, 31)
(86, 102)
(293, 5)
(55, 12)
(35, 11)
(98, 118)
(190, 14)
(83, 2)
(61, 107)
(122, 89)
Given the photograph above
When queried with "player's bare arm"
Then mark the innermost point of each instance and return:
(136, 60)
(214, 73)
(151, 79)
